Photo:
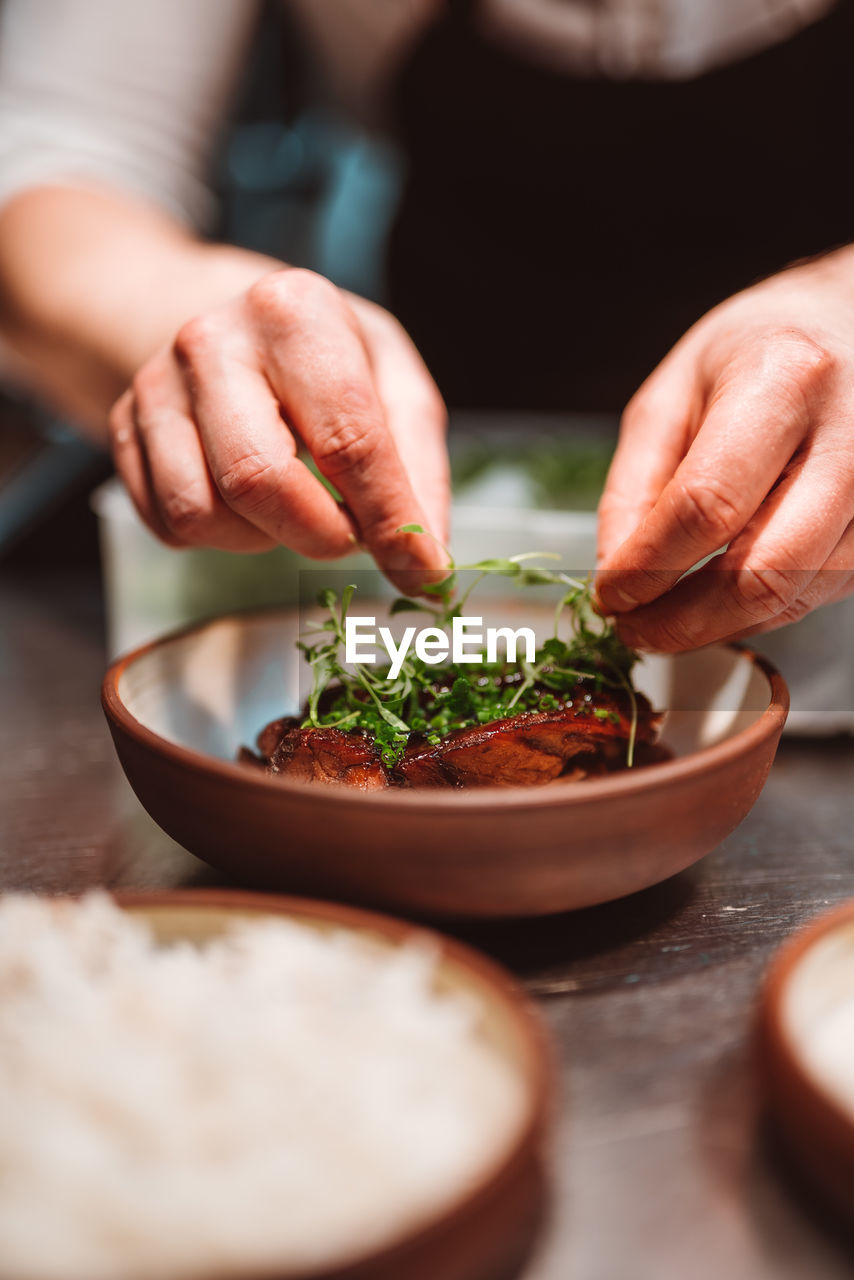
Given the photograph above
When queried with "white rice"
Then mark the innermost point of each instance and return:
(829, 1051)
(278, 1099)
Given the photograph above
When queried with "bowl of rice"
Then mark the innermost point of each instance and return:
(206, 1085)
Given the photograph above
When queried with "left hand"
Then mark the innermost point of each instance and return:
(743, 438)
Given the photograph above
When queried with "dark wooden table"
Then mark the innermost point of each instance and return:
(662, 1170)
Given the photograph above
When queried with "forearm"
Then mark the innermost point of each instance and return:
(93, 283)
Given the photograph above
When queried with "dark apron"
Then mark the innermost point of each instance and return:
(558, 234)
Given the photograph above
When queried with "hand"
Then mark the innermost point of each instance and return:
(206, 438)
(742, 438)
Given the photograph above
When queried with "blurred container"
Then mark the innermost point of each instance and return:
(151, 589)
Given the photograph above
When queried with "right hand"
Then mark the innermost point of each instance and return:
(206, 437)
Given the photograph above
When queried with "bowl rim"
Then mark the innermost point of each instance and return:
(538, 1071)
(626, 782)
(778, 1047)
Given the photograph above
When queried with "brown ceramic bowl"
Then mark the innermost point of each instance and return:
(484, 1233)
(809, 982)
(180, 708)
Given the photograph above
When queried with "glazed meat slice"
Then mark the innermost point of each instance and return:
(271, 735)
(580, 738)
(324, 755)
(531, 748)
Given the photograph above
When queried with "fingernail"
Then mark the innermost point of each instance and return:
(409, 573)
(617, 599)
(408, 564)
(634, 640)
(425, 573)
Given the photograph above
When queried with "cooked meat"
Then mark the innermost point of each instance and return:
(326, 755)
(271, 735)
(531, 748)
(584, 737)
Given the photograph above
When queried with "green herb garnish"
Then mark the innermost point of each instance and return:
(434, 700)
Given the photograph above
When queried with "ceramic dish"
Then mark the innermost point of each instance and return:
(180, 708)
(486, 1231)
(807, 1050)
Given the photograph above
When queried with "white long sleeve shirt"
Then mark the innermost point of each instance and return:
(130, 93)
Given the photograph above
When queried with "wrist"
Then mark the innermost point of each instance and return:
(94, 283)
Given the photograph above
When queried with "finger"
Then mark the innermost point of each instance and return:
(415, 413)
(825, 589)
(766, 571)
(750, 431)
(319, 369)
(656, 429)
(132, 469)
(833, 582)
(250, 452)
(187, 500)
(706, 607)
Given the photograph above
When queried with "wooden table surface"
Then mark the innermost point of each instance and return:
(662, 1169)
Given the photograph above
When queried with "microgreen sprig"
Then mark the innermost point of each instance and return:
(435, 700)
